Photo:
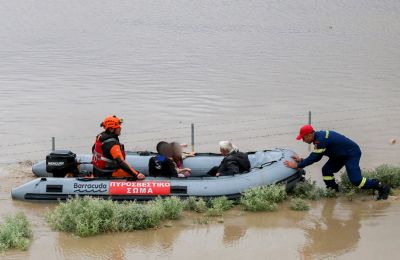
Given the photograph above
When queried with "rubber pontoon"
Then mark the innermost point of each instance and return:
(267, 168)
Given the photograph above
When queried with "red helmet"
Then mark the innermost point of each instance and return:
(111, 122)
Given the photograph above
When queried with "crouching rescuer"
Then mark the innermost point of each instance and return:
(109, 154)
(341, 152)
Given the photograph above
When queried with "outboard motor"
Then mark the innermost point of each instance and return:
(61, 163)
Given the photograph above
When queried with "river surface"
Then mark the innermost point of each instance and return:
(248, 71)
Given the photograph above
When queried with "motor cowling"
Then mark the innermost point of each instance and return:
(61, 163)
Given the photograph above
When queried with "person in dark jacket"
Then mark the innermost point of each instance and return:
(341, 152)
(234, 162)
(162, 165)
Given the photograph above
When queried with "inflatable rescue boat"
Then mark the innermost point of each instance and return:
(266, 168)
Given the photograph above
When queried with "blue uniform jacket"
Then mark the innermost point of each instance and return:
(331, 144)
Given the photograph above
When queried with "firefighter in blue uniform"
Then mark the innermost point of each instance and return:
(341, 152)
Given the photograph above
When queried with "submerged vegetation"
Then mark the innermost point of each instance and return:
(263, 198)
(309, 190)
(217, 206)
(299, 204)
(198, 205)
(171, 207)
(389, 175)
(15, 232)
(90, 216)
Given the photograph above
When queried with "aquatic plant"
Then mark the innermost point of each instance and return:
(329, 193)
(217, 206)
(222, 203)
(299, 204)
(198, 205)
(214, 207)
(90, 216)
(172, 206)
(190, 203)
(308, 189)
(345, 184)
(130, 216)
(203, 220)
(350, 195)
(15, 232)
(389, 175)
(263, 198)
(83, 216)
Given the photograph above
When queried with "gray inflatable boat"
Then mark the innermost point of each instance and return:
(266, 168)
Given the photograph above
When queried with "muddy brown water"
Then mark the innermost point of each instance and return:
(333, 228)
(242, 70)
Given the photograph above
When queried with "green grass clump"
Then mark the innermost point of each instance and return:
(15, 232)
(345, 185)
(263, 198)
(172, 206)
(299, 204)
(389, 175)
(83, 216)
(190, 203)
(309, 190)
(130, 216)
(329, 193)
(221, 203)
(90, 216)
(193, 204)
(218, 206)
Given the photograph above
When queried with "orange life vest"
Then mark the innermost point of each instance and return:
(100, 161)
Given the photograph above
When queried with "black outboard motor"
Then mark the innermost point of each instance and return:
(61, 163)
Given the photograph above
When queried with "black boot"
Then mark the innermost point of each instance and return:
(383, 191)
(336, 188)
(332, 185)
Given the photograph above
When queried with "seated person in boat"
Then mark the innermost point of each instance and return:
(234, 162)
(178, 156)
(109, 154)
(162, 164)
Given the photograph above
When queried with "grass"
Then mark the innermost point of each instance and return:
(217, 206)
(386, 174)
(15, 232)
(309, 190)
(90, 216)
(299, 204)
(172, 207)
(193, 204)
(213, 208)
(263, 198)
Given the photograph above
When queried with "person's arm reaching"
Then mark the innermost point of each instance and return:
(312, 158)
(117, 155)
(301, 163)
